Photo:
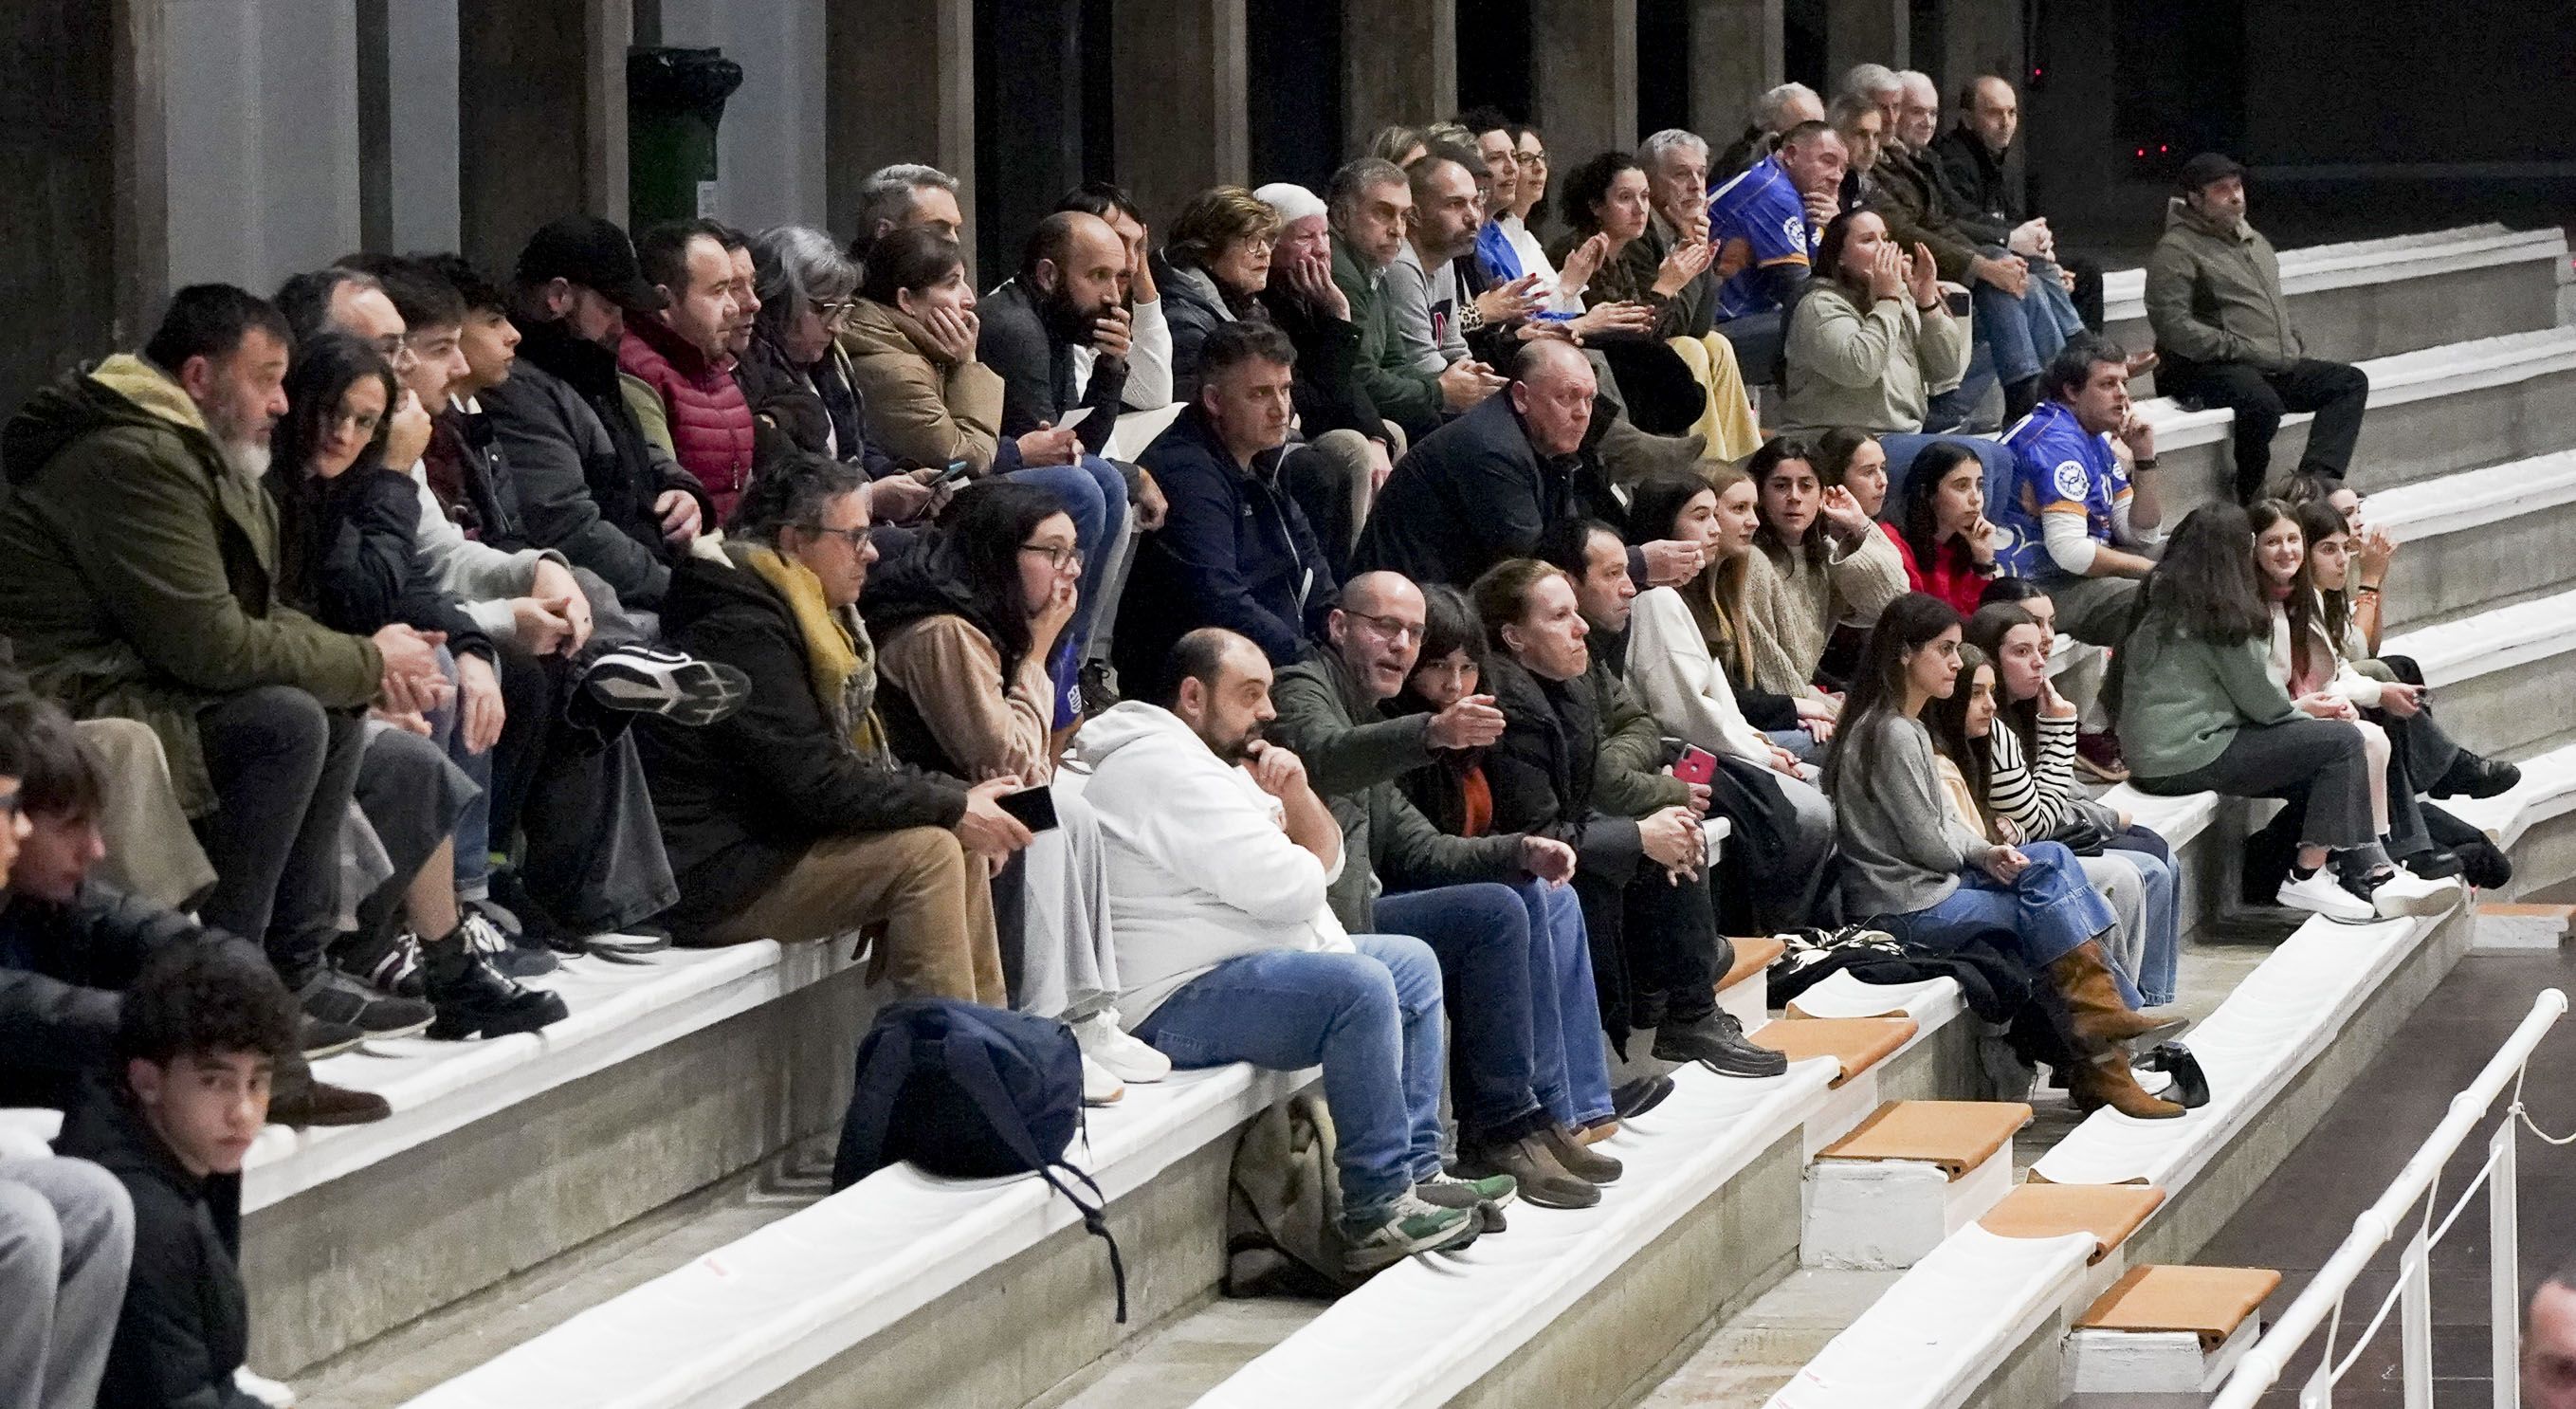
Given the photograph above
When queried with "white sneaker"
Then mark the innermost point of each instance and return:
(2324, 895)
(1105, 1042)
(264, 1389)
(2405, 893)
(1100, 1085)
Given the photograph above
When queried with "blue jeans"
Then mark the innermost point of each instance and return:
(1798, 742)
(1481, 935)
(474, 827)
(1570, 1067)
(2042, 915)
(2024, 332)
(1370, 1019)
(1902, 447)
(1094, 495)
(2153, 860)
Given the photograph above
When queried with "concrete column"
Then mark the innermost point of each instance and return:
(1736, 55)
(770, 160)
(1866, 31)
(262, 144)
(542, 118)
(140, 207)
(1980, 37)
(1583, 76)
(1180, 121)
(1399, 65)
(407, 123)
(899, 87)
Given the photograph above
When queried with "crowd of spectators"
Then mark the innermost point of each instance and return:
(383, 645)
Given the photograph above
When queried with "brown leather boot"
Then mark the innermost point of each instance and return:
(2107, 1081)
(297, 1100)
(2093, 998)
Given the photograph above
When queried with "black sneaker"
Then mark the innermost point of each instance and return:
(677, 686)
(537, 924)
(512, 960)
(476, 1001)
(317, 1039)
(2476, 775)
(334, 997)
(1718, 1043)
(388, 963)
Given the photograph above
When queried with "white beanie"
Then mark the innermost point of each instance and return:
(1292, 201)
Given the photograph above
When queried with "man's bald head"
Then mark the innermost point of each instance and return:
(1918, 110)
(1073, 268)
(1376, 631)
(1543, 359)
(1552, 389)
(1993, 112)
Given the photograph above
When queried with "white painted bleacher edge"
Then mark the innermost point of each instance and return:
(2501, 638)
(749, 1318)
(1936, 1335)
(2318, 268)
(2547, 790)
(2474, 498)
(1395, 1343)
(2397, 380)
(618, 1010)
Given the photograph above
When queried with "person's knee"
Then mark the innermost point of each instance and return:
(277, 721)
(2349, 381)
(2374, 742)
(1412, 970)
(31, 1235)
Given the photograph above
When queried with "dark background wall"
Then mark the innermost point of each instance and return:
(57, 188)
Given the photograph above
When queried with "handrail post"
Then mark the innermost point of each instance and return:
(2504, 1243)
(2415, 1336)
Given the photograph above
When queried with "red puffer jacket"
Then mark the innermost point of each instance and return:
(711, 425)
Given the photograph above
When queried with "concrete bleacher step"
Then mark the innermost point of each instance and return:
(2535, 820)
(2500, 675)
(2372, 298)
(1910, 1175)
(2479, 538)
(2504, 926)
(2167, 1330)
(2432, 412)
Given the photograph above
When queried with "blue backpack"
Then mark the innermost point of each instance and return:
(971, 1092)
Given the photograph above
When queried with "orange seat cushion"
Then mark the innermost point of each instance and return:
(2110, 1212)
(1956, 1135)
(1753, 954)
(2209, 1302)
(1857, 1043)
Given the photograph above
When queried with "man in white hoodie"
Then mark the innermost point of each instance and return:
(1219, 857)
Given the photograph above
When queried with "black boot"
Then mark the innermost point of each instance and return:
(1717, 1042)
(2477, 775)
(473, 999)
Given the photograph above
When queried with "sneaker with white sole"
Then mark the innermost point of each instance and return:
(2402, 892)
(2322, 894)
(1100, 1085)
(510, 959)
(673, 684)
(1405, 1227)
(267, 1391)
(1105, 1042)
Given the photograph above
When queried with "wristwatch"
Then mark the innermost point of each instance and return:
(2148, 463)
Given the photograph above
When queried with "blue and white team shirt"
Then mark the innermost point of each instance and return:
(1759, 215)
(2057, 468)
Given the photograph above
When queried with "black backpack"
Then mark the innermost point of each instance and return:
(971, 1092)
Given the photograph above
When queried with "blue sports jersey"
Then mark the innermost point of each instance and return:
(1759, 212)
(2056, 467)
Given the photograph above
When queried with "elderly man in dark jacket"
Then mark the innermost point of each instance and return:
(141, 580)
(1972, 157)
(791, 820)
(593, 486)
(1236, 551)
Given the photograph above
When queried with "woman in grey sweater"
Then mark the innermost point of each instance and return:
(1915, 871)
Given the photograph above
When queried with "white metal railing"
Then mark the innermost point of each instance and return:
(2322, 1302)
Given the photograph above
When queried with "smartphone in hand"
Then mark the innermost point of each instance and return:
(1034, 808)
(1696, 765)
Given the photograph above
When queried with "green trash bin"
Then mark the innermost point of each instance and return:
(674, 100)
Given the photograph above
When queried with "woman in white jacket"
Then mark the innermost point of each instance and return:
(1673, 650)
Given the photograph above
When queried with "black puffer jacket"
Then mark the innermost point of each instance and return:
(348, 550)
(63, 970)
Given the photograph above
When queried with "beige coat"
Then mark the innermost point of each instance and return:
(921, 409)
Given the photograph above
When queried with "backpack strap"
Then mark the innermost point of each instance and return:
(970, 1065)
(884, 1064)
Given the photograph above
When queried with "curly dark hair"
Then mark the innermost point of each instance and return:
(206, 1000)
(1588, 185)
(979, 538)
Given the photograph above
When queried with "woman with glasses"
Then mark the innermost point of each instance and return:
(798, 379)
(965, 621)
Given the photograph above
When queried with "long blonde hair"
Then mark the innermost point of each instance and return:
(1716, 596)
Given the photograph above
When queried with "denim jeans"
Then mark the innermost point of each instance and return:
(1481, 935)
(474, 826)
(1902, 447)
(2155, 970)
(1094, 495)
(1799, 743)
(2025, 332)
(2048, 910)
(1570, 1067)
(1371, 1019)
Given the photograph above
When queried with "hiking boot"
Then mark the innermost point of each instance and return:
(2099, 755)
(1130, 1058)
(673, 684)
(511, 960)
(2093, 999)
(472, 999)
(317, 1039)
(1540, 1178)
(334, 997)
(1567, 1149)
(2322, 894)
(1403, 1228)
(2107, 1081)
(1640, 1096)
(1717, 1042)
(2477, 775)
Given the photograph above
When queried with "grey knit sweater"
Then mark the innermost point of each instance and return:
(1902, 849)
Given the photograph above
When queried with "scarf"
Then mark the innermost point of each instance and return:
(840, 660)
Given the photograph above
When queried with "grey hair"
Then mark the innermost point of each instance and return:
(1917, 78)
(795, 267)
(887, 193)
(1768, 108)
(1867, 81)
(1354, 181)
(1652, 151)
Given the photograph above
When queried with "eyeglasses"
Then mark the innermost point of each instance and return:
(857, 538)
(1395, 629)
(836, 316)
(1532, 158)
(9, 805)
(397, 350)
(1058, 558)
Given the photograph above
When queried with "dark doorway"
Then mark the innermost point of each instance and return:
(1030, 122)
(1294, 109)
(1663, 69)
(1493, 57)
(57, 191)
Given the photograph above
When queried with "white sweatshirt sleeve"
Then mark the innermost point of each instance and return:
(1681, 685)
(1149, 360)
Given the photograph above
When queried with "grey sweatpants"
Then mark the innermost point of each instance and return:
(66, 1240)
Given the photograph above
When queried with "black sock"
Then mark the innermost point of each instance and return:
(446, 958)
(2301, 873)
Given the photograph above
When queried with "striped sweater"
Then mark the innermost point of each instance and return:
(2037, 795)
